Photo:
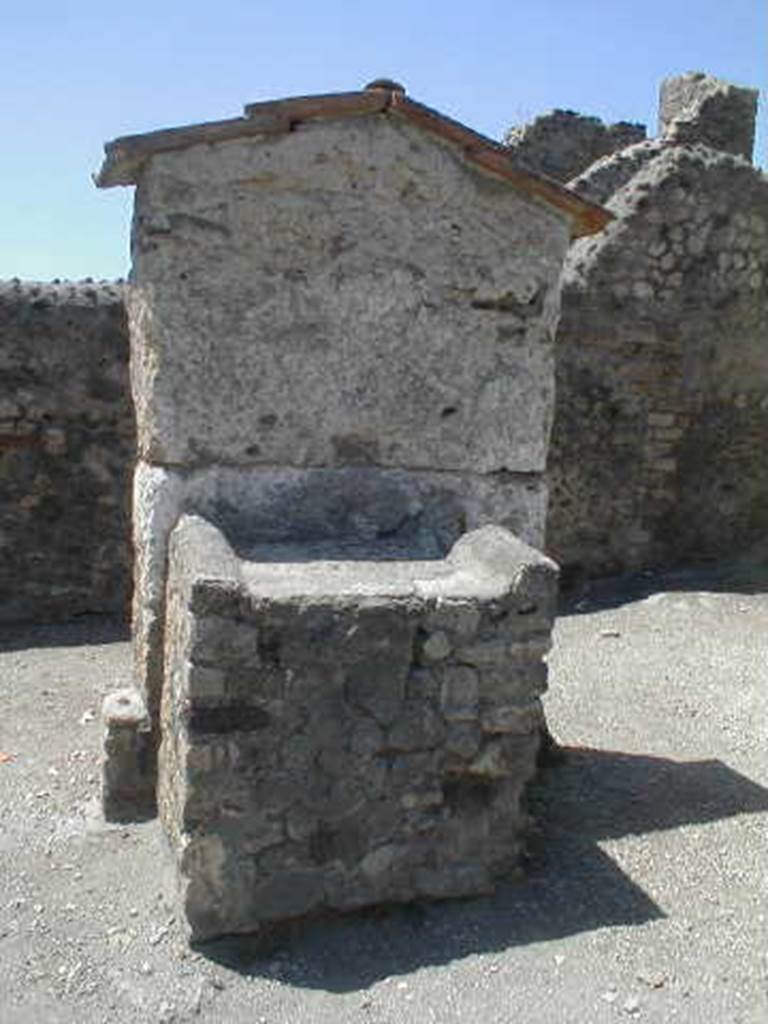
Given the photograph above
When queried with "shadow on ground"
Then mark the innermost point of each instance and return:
(606, 794)
(748, 575)
(571, 885)
(85, 630)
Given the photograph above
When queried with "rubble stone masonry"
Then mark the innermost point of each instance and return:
(67, 439)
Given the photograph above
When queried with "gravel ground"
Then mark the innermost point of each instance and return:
(644, 891)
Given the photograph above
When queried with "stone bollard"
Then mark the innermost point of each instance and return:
(129, 767)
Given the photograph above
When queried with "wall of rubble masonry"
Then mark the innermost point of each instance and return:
(347, 733)
(661, 425)
(67, 440)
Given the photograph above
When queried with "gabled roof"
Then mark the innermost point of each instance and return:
(125, 157)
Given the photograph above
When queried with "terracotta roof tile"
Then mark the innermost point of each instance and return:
(124, 157)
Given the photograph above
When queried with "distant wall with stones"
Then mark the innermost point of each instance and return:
(66, 449)
(562, 144)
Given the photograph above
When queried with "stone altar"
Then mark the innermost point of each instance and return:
(342, 312)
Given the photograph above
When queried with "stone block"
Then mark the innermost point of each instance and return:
(700, 108)
(224, 642)
(459, 696)
(436, 647)
(324, 283)
(129, 767)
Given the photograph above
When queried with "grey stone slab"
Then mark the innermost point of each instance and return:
(349, 293)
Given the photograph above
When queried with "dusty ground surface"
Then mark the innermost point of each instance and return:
(644, 895)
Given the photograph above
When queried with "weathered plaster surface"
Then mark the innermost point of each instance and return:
(350, 293)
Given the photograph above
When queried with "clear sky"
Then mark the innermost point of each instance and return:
(74, 73)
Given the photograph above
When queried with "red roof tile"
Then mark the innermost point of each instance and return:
(124, 157)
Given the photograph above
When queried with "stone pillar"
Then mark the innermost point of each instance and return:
(697, 108)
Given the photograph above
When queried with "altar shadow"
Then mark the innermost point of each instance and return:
(570, 885)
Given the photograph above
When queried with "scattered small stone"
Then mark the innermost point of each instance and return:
(197, 999)
(158, 935)
(146, 968)
(559, 959)
(651, 978)
(87, 716)
(166, 1013)
(606, 633)
(631, 1005)
(610, 996)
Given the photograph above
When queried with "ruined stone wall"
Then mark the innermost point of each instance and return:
(699, 108)
(66, 447)
(562, 144)
(658, 448)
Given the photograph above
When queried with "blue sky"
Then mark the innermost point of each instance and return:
(74, 74)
